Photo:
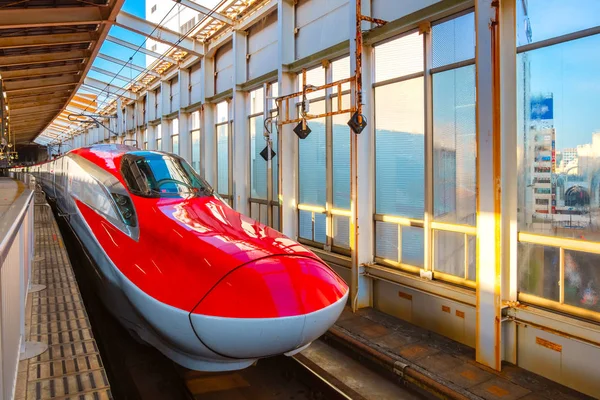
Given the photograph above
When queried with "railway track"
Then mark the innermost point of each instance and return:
(137, 371)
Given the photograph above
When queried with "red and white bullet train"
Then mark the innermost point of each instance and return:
(210, 288)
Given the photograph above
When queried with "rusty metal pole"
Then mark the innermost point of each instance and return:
(354, 235)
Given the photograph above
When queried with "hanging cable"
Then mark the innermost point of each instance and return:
(146, 70)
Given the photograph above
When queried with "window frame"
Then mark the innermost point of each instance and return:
(427, 223)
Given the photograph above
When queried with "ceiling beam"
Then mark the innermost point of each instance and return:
(30, 59)
(102, 86)
(85, 100)
(41, 82)
(142, 49)
(127, 64)
(35, 72)
(39, 89)
(158, 34)
(58, 16)
(111, 74)
(10, 42)
(35, 109)
(15, 100)
(20, 106)
(205, 10)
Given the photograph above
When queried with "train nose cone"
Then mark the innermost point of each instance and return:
(271, 306)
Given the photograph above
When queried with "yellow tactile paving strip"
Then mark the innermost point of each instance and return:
(71, 368)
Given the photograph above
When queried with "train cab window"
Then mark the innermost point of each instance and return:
(154, 174)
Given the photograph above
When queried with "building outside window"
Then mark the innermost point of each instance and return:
(559, 157)
(145, 139)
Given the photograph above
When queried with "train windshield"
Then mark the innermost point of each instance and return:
(153, 174)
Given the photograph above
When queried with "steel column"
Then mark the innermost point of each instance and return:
(241, 137)
(489, 237)
(288, 151)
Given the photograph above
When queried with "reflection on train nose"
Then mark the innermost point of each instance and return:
(271, 306)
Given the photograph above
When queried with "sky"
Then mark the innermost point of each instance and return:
(570, 71)
(137, 8)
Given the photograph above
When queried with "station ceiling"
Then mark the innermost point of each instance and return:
(46, 48)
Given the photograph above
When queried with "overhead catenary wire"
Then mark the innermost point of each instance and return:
(161, 58)
(159, 25)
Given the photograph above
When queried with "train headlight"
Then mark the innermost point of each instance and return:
(126, 209)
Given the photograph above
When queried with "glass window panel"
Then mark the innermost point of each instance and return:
(449, 254)
(175, 144)
(546, 19)
(340, 69)
(341, 231)
(559, 140)
(539, 270)
(159, 131)
(275, 161)
(472, 258)
(196, 150)
(412, 246)
(399, 57)
(314, 77)
(276, 217)
(222, 112)
(264, 216)
(582, 280)
(258, 165)
(386, 245)
(175, 126)
(341, 156)
(453, 40)
(159, 144)
(195, 117)
(312, 163)
(223, 159)
(320, 228)
(257, 101)
(254, 211)
(399, 122)
(455, 146)
(305, 224)
(274, 94)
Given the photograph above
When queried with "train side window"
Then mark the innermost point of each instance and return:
(85, 188)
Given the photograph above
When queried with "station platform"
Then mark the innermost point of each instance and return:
(436, 364)
(366, 355)
(71, 367)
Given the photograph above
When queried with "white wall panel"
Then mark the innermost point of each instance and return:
(224, 68)
(196, 83)
(321, 24)
(262, 47)
(444, 316)
(390, 10)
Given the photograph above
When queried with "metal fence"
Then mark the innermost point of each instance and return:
(16, 256)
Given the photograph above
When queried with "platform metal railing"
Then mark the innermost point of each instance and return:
(16, 257)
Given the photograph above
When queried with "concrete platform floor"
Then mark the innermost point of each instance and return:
(71, 368)
(448, 362)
